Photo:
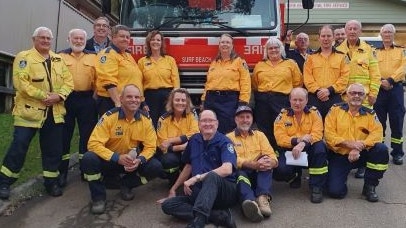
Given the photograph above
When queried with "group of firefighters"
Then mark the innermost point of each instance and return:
(134, 119)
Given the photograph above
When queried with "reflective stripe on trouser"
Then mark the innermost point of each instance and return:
(317, 157)
(95, 167)
(252, 184)
(391, 103)
(50, 140)
(376, 160)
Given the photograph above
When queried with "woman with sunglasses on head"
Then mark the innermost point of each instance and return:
(174, 128)
(160, 74)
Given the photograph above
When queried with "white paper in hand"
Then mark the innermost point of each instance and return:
(301, 161)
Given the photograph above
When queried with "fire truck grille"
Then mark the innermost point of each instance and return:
(192, 81)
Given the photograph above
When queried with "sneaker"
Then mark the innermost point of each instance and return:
(251, 211)
(264, 205)
(98, 207)
(316, 195)
(360, 173)
(54, 190)
(223, 218)
(4, 192)
(126, 194)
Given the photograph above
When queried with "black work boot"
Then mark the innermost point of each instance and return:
(369, 192)
(126, 193)
(222, 218)
(54, 190)
(63, 179)
(360, 173)
(316, 195)
(4, 192)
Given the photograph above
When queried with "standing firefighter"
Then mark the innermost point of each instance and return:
(43, 82)
(390, 101)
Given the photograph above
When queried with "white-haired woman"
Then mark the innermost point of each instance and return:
(273, 79)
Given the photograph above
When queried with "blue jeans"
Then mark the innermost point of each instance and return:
(214, 192)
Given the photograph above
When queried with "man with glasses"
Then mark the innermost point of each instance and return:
(208, 178)
(100, 39)
(390, 101)
(42, 82)
(353, 135)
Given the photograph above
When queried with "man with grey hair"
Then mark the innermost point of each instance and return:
(363, 66)
(80, 105)
(302, 50)
(390, 101)
(42, 83)
(353, 135)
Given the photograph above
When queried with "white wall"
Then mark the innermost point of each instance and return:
(19, 18)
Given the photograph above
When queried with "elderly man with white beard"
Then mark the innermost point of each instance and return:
(80, 105)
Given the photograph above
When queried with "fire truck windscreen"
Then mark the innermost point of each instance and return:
(199, 14)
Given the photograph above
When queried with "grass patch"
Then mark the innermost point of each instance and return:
(32, 166)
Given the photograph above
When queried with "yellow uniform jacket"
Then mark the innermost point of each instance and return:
(115, 69)
(115, 135)
(33, 80)
(81, 68)
(281, 78)
(229, 75)
(252, 147)
(392, 63)
(161, 73)
(341, 125)
(288, 130)
(168, 127)
(363, 66)
(331, 72)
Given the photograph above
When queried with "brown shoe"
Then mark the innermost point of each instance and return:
(251, 211)
(264, 205)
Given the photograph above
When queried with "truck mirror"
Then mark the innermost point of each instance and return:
(308, 4)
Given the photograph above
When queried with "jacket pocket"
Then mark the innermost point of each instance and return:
(28, 112)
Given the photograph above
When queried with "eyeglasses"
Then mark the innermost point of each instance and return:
(207, 120)
(353, 93)
(44, 37)
(101, 25)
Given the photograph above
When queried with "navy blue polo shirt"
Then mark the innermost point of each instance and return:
(205, 156)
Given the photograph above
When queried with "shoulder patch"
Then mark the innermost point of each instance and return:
(230, 148)
(144, 113)
(165, 115)
(100, 121)
(22, 64)
(376, 119)
(112, 111)
(244, 64)
(374, 53)
(278, 118)
(103, 59)
(404, 52)
(158, 125)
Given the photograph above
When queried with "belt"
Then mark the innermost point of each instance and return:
(163, 88)
(82, 93)
(223, 92)
(273, 93)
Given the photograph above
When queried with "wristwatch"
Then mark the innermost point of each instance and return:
(199, 177)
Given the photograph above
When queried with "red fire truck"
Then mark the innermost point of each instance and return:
(192, 29)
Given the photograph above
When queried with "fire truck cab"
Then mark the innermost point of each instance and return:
(192, 29)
